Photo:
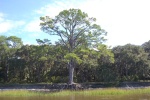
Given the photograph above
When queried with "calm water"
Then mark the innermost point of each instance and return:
(133, 97)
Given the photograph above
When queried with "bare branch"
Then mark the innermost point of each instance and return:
(82, 31)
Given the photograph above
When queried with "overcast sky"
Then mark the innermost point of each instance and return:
(126, 21)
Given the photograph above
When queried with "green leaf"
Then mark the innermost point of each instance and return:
(73, 56)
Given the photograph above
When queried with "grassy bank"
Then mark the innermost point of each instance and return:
(96, 92)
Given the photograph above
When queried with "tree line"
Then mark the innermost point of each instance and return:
(47, 62)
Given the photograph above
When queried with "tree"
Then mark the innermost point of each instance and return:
(88, 69)
(131, 62)
(8, 47)
(3, 54)
(75, 30)
(146, 47)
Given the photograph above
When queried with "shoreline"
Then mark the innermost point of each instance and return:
(62, 86)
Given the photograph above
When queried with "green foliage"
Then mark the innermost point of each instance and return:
(73, 56)
(105, 51)
(42, 59)
(130, 61)
(59, 79)
(14, 42)
(8, 47)
(76, 30)
(49, 63)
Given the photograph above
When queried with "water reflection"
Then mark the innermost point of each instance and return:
(74, 97)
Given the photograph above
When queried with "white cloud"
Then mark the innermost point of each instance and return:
(7, 25)
(33, 26)
(126, 21)
(56, 6)
(1, 17)
(1, 14)
(48, 10)
(26, 42)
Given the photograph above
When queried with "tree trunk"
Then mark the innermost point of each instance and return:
(71, 63)
(71, 71)
(6, 71)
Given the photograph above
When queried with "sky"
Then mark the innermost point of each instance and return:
(126, 21)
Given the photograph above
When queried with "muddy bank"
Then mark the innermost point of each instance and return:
(63, 86)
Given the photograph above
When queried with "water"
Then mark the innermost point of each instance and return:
(130, 97)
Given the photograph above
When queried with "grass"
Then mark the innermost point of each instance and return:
(96, 92)
(18, 93)
(104, 92)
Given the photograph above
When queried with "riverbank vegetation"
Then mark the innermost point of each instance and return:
(95, 92)
(90, 60)
(46, 63)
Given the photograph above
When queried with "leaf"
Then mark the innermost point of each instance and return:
(73, 56)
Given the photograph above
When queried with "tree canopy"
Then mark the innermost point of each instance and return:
(76, 30)
(48, 62)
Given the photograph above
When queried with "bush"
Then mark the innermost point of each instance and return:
(59, 79)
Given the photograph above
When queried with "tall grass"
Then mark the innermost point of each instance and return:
(18, 93)
(96, 92)
(115, 91)
(103, 92)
